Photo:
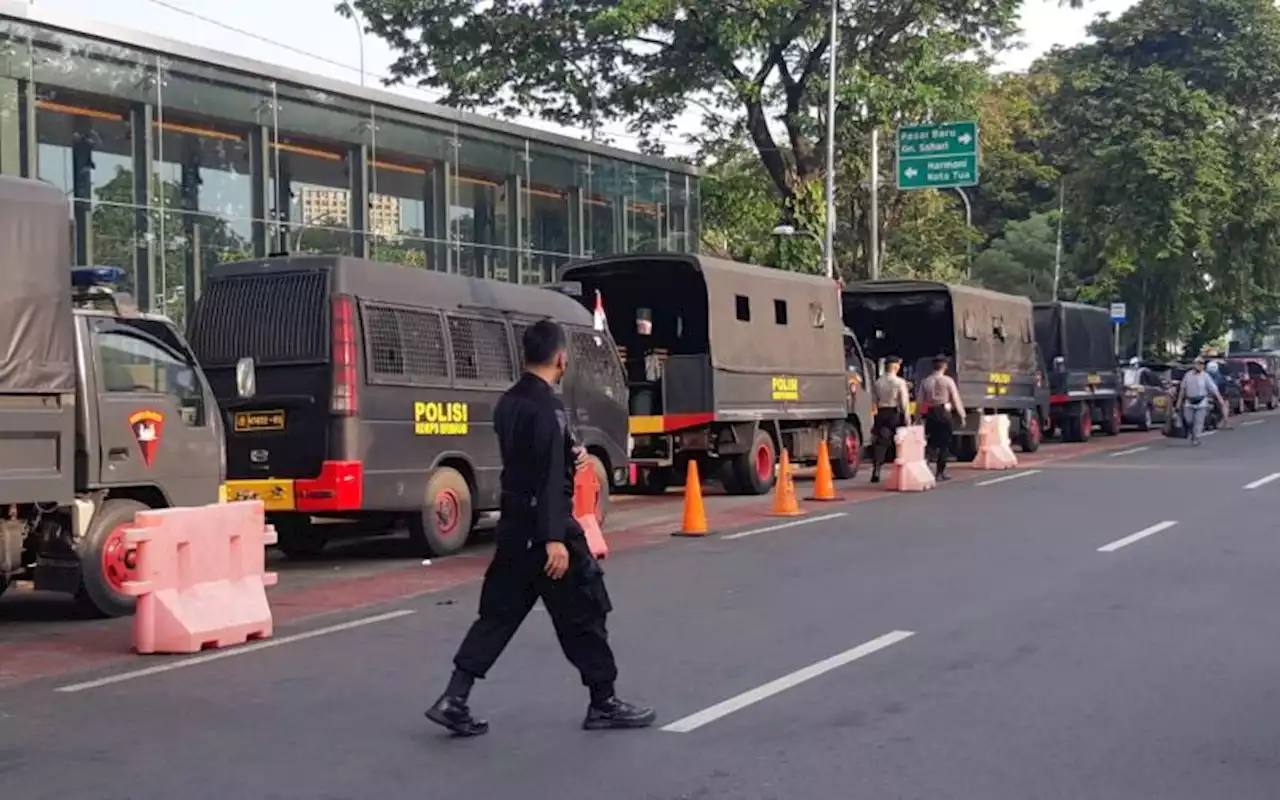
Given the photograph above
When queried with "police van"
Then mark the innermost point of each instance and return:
(361, 391)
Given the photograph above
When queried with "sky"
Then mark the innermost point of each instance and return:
(335, 45)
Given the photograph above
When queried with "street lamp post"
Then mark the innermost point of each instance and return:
(355, 17)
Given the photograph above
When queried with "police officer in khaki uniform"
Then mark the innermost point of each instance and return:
(893, 406)
(940, 407)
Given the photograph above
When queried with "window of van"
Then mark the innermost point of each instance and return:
(403, 345)
(481, 351)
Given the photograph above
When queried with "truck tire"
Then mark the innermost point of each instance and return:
(756, 467)
(966, 448)
(444, 524)
(106, 562)
(653, 480)
(1031, 435)
(297, 538)
(602, 476)
(1112, 418)
(846, 457)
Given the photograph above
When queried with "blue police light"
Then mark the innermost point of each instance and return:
(87, 277)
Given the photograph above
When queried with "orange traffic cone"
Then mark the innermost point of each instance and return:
(586, 497)
(695, 514)
(784, 499)
(824, 483)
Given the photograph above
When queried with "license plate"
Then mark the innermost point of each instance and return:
(275, 495)
(256, 421)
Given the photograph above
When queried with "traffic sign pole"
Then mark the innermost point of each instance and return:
(1118, 313)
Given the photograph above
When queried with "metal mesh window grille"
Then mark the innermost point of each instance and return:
(481, 351)
(597, 363)
(405, 345)
(276, 318)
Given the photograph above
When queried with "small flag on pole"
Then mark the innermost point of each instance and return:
(598, 320)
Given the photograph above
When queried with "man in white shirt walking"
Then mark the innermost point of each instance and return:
(1194, 395)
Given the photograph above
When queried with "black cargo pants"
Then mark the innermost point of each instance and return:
(938, 430)
(885, 426)
(578, 604)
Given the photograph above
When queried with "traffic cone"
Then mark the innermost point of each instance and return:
(586, 494)
(695, 514)
(784, 499)
(824, 481)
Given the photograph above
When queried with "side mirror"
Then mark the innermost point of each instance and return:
(246, 378)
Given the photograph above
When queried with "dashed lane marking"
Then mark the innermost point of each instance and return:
(1263, 481)
(1128, 452)
(780, 526)
(1004, 478)
(753, 696)
(232, 652)
(1134, 537)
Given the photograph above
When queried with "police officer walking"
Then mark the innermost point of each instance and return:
(893, 404)
(939, 400)
(541, 551)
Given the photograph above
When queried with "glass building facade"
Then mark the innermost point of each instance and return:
(177, 158)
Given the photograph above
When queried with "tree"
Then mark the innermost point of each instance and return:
(648, 61)
(1165, 124)
(1020, 261)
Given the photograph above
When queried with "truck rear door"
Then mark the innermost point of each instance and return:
(156, 424)
(282, 320)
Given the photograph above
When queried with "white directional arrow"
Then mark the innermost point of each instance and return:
(910, 172)
(965, 138)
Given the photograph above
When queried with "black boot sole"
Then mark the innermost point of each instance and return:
(457, 729)
(607, 724)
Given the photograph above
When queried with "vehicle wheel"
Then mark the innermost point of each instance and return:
(297, 538)
(848, 456)
(444, 525)
(1084, 422)
(1145, 423)
(653, 480)
(755, 467)
(106, 561)
(966, 448)
(602, 500)
(1031, 436)
(1251, 405)
(1112, 419)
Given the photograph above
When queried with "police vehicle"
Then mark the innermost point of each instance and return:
(104, 412)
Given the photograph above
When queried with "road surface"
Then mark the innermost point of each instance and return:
(1099, 627)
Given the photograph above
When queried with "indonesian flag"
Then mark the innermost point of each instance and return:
(598, 319)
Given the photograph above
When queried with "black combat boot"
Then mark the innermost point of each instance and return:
(614, 713)
(451, 712)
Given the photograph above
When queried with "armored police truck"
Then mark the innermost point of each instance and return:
(103, 412)
(988, 337)
(364, 392)
(727, 364)
(1084, 377)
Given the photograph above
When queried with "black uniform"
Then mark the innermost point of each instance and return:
(536, 507)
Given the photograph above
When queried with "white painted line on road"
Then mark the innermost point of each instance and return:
(1004, 478)
(230, 652)
(1208, 433)
(709, 715)
(1129, 452)
(1142, 534)
(1263, 481)
(1252, 422)
(793, 524)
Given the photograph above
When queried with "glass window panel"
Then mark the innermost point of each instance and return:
(645, 209)
(546, 209)
(311, 198)
(602, 200)
(677, 208)
(412, 161)
(480, 228)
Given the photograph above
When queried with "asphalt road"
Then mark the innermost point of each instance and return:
(1098, 628)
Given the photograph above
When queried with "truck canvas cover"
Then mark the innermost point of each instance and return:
(1079, 333)
(37, 337)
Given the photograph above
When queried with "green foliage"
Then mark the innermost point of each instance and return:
(1020, 261)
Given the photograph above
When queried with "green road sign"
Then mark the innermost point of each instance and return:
(942, 156)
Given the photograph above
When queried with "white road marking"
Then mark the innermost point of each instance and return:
(231, 652)
(780, 526)
(1252, 422)
(1142, 534)
(1129, 452)
(724, 709)
(1012, 477)
(1262, 481)
(1208, 433)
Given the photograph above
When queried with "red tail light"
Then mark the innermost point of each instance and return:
(346, 398)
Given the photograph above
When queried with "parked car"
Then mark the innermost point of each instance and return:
(1227, 376)
(1257, 385)
(1145, 399)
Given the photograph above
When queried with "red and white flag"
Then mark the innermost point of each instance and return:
(598, 319)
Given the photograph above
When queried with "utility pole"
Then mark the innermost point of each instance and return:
(874, 232)
(1057, 254)
(829, 245)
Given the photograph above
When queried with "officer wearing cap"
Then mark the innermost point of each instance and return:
(941, 407)
(893, 404)
(541, 551)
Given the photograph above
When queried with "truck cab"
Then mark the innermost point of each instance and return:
(142, 429)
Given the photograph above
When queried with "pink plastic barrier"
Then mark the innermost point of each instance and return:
(910, 471)
(201, 577)
(994, 448)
